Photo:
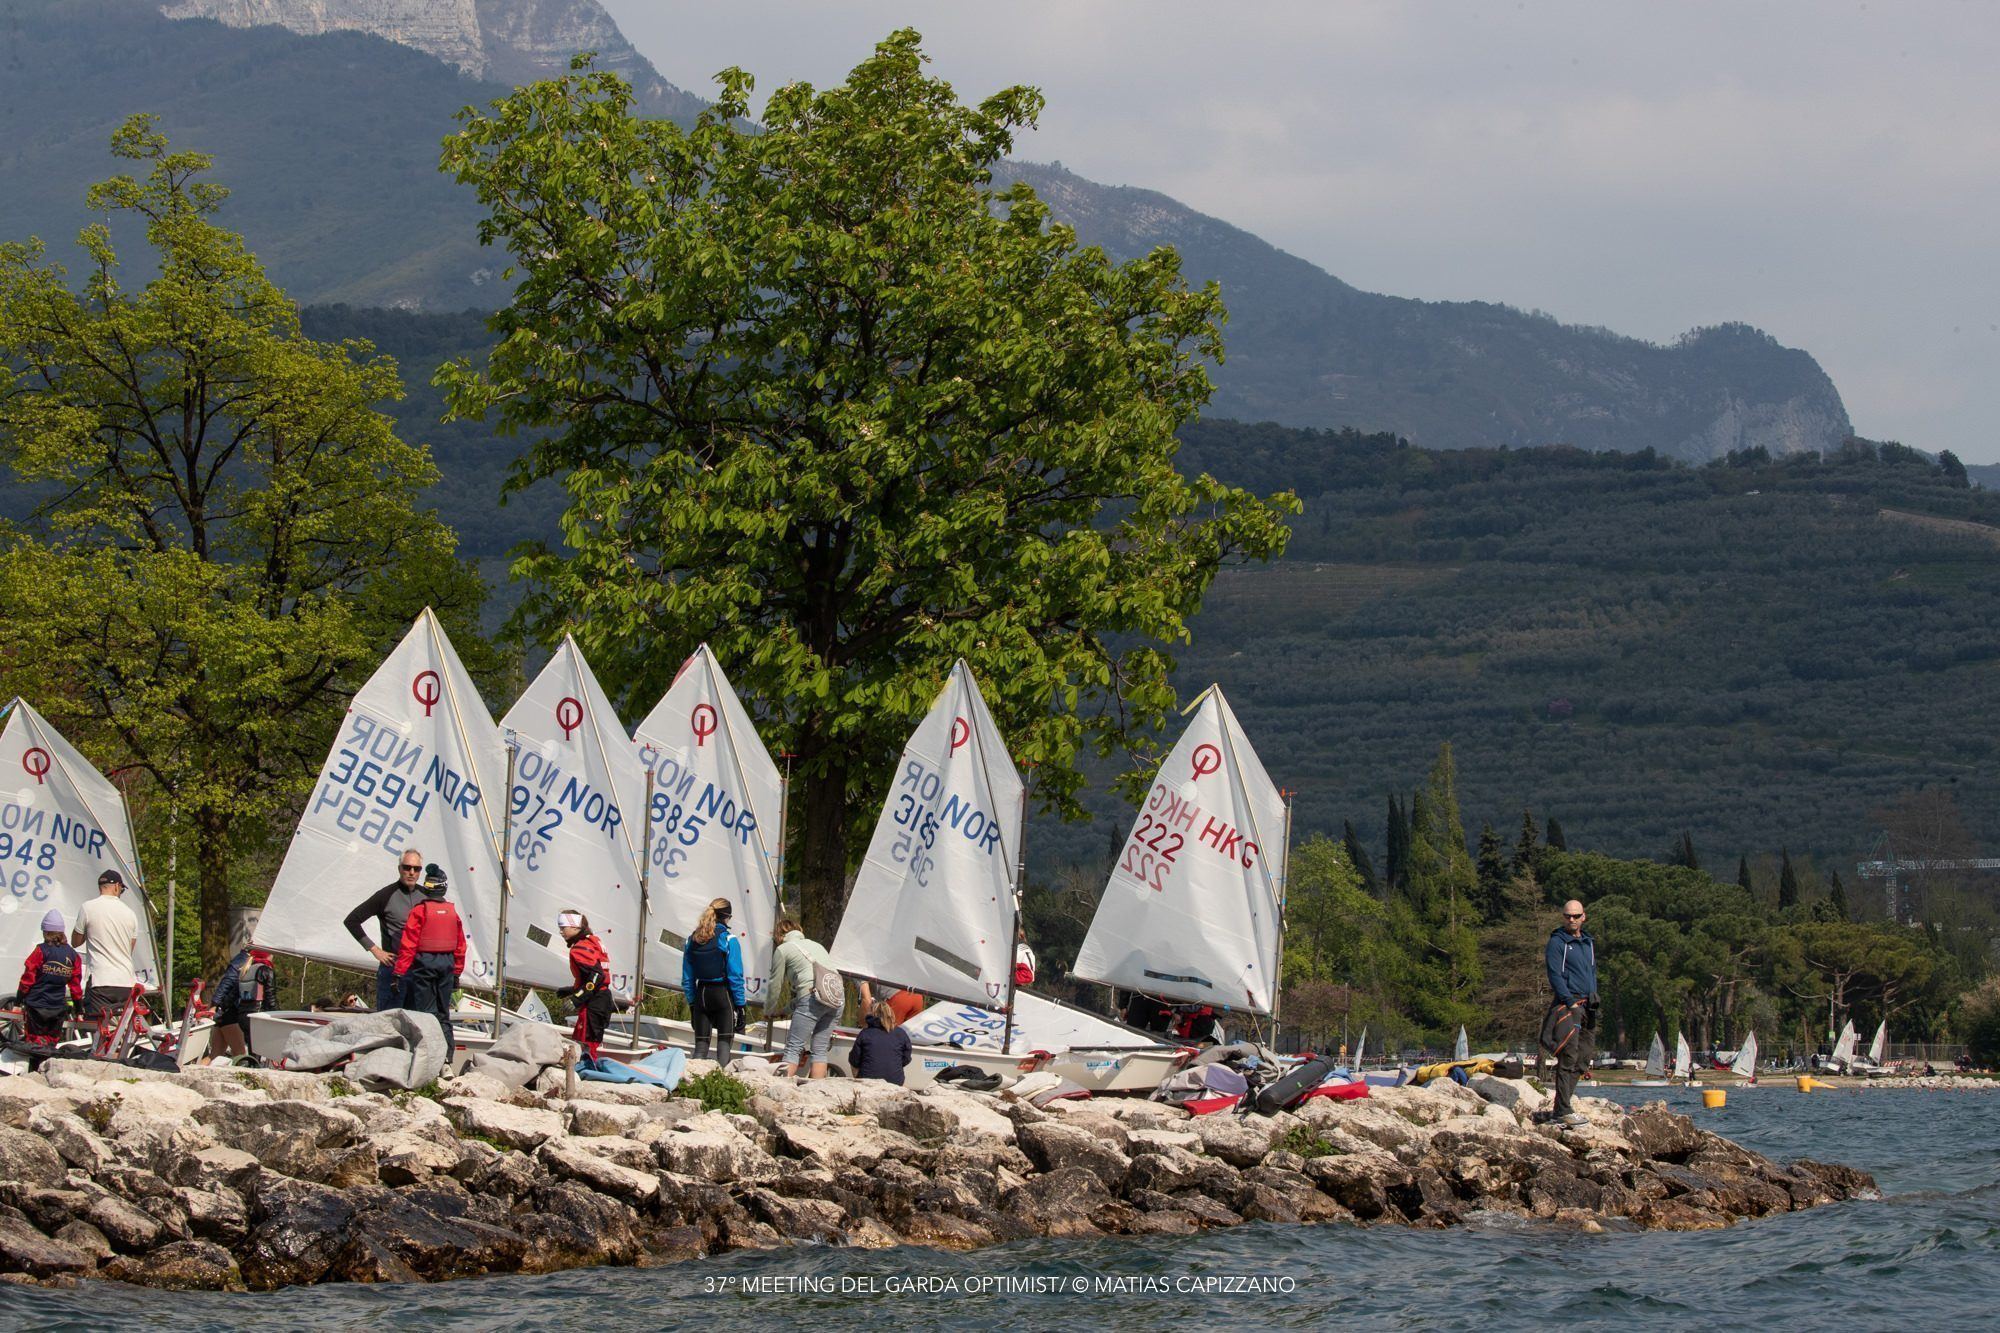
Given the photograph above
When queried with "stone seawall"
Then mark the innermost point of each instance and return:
(230, 1179)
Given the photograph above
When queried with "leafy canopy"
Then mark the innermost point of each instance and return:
(823, 397)
(230, 530)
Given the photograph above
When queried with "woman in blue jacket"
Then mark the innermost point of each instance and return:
(712, 980)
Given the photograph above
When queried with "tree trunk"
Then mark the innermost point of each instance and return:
(822, 877)
(212, 860)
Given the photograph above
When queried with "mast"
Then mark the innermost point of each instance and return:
(784, 809)
(1284, 886)
(506, 892)
(1019, 936)
(651, 756)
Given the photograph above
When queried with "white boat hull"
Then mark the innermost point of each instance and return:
(1100, 1072)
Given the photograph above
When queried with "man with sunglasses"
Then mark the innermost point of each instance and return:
(1568, 1031)
(389, 906)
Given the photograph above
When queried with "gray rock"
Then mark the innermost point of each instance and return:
(297, 1138)
(710, 1147)
(27, 1159)
(508, 1126)
(298, 1230)
(569, 1162)
(1053, 1145)
(216, 1168)
(215, 1214)
(182, 1265)
(23, 1249)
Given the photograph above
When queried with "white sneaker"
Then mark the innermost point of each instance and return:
(1574, 1120)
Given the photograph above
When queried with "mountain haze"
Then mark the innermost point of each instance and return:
(325, 117)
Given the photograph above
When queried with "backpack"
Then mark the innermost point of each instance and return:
(828, 988)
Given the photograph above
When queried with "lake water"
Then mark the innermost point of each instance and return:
(1927, 1252)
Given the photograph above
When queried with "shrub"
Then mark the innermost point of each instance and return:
(717, 1091)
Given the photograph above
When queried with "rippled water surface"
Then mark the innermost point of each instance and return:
(1928, 1251)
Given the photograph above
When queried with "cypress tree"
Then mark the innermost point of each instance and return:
(1524, 848)
(1837, 897)
(1743, 875)
(1492, 872)
(1396, 863)
(1684, 852)
(1357, 855)
(1557, 842)
(1788, 881)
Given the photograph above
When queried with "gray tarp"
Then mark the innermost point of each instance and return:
(395, 1048)
(522, 1051)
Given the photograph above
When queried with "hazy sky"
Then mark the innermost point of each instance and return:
(1828, 172)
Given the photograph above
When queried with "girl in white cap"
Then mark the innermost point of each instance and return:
(51, 984)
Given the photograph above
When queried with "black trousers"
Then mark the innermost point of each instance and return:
(1571, 1061)
(427, 987)
(715, 1013)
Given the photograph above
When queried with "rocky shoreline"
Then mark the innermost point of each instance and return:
(224, 1179)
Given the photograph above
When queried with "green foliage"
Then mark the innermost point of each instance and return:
(1788, 882)
(1306, 1142)
(717, 1091)
(229, 535)
(1978, 1024)
(821, 396)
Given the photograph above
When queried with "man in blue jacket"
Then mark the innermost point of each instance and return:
(1568, 1031)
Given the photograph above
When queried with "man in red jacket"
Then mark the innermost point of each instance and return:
(432, 953)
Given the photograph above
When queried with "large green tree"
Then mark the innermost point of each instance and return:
(231, 534)
(823, 397)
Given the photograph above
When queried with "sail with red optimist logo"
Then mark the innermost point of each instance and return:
(62, 824)
(416, 762)
(933, 907)
(717, 801)
(579, 794)
(1191, 912)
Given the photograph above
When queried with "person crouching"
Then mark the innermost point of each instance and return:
(590, 966)
(882, 1048)
(432, 954)
(51, 984)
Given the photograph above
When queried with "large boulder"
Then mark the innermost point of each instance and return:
(215, 1168)
(1058, 1203)
(215, 1214)
(28, 1160)
(711, 1147)
(297, 1231)
(23, 1094)
(588, 1117)
(1515, 1094)
(1238, 1140)
(296, 1138)
(24, 1249)
(820, 1221)
(572, 1226)
(845, 1139)
(73, 1139)
(568, 1161)
(432, 1242)
(183, 1265)
(1053, 1145)
(1359, 1182)
(521, 1127)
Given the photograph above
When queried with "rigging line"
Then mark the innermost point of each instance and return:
(986, 777)
(442, 646)
(597, 734)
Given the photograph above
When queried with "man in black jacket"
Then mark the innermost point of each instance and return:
(389, 906)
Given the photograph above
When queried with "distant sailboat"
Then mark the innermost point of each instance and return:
(1683, 1059)
(1880, 1045)
(1745, 1063)
(1656, 1066)
(1360, 1048)
(1843, 1049)
(1462, 1049)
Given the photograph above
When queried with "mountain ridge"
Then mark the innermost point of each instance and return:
(329, 142)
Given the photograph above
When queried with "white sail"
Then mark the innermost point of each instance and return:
(1039, 1025)
(1461, 1049)
(1880, 1045)
(1683, 1057)
(717, 807)
(62, 824)
(1656, 1059)
(1745, 1063)
(1360, 1049)
(1192, 909)
(578, 792)
(417, 762)
(933, 907)
(1843, 1049)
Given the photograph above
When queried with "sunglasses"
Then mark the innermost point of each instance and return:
(1572, 916)
(411, 870)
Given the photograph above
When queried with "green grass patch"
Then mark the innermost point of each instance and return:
(717, 1091)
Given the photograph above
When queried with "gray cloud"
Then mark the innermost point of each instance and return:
(1829, 173)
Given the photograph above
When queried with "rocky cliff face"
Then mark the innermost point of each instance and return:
(505, 41)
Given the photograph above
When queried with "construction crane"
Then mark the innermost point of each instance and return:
(1891, 868)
